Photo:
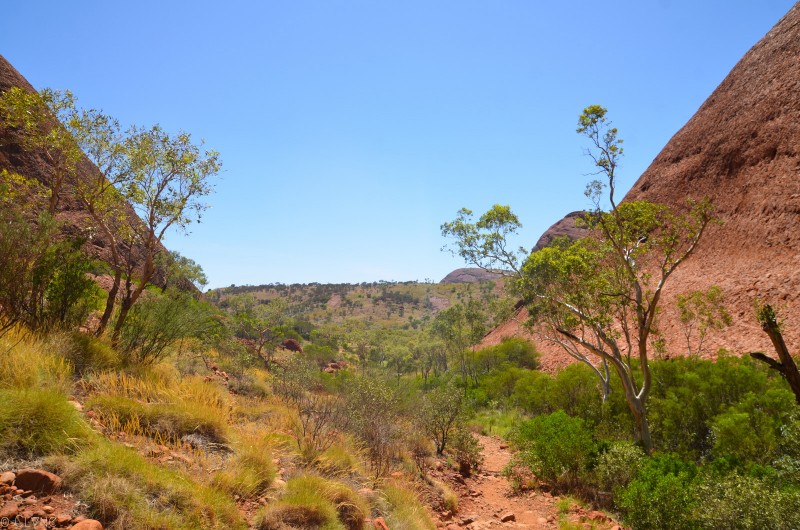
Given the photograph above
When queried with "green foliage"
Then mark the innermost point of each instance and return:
(369, 402)
(33, 119)
(618, 465)
(484, 243)
(467, 452)
(516, 352)
(557, 447)
(660, 496)
(702, 311)
(439, 412)
(36, 422)
(87, 353)
(159, 322)
(43, 282)
(750, 430)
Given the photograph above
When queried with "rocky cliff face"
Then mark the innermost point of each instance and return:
(742, 150)
(30, 164)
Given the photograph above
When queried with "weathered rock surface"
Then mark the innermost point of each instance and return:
(565, 227)
(470, 275)
(38, 481)
(742, 150)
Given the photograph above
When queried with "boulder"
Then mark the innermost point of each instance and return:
(88, 524)
(38, 481)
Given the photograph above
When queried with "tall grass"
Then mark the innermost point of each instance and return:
(125, 491)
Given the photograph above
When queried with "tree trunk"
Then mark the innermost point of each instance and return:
(124, 309)
(641, 427)
(786, 366)
(110, 302)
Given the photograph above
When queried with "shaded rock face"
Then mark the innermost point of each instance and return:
(742, 150)
(76, 221)
(565, 227)
(470, 275)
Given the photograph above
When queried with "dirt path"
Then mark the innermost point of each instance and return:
(487, 501)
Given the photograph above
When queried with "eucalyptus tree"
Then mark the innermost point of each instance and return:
(599, 296)
(169, 175)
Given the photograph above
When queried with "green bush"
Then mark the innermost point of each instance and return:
(660, 496)
(467, 452)
(36, 422)
(743, 502)
(557, 447)
(87, 353)
(618, 465)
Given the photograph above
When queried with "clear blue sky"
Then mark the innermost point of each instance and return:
(350, 130)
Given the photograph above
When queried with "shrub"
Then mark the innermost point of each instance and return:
(27, 362)
(404, 509)
(86, 353)
(617, 466)
(557, 447)
(249, 473)
(163, 419)
(660, 496)
(736, 501)
(439, 412)
(36, 422)
(158, 321)
(466, 451)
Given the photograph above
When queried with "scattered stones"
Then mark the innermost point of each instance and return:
(38, 481)
(508, 517)
(9, 510)
(467, 519)
(7, 478)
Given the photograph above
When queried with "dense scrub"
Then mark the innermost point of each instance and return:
(726, 438)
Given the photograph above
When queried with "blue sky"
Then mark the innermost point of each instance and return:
(350, 130)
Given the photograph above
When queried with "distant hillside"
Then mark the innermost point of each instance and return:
(386, 303)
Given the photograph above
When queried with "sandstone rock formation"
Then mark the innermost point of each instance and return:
(742, 150)
(471, 275)
(565, 227)
(14, 158)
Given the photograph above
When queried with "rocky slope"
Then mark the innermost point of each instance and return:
(31, 164)
(742, 150)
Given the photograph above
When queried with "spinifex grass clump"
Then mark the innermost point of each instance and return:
(124, 491)
(315, 502)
